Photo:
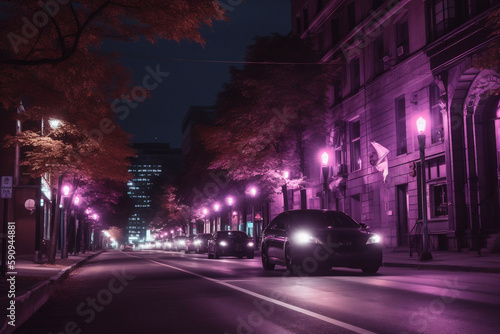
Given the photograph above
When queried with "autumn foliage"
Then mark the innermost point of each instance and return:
(51, 60)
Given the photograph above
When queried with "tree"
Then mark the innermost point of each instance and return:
(172, 212)
(490, 57)
(270, 111)
(51, 60)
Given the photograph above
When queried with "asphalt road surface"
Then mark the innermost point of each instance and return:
(170, 292)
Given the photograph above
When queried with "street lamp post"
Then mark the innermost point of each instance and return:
(205, 213)
(76, 201)
(216, 209)
(230, 202)
(426, 254)
(326, 171)
(253, 193)
(66, 209)
(284, 189)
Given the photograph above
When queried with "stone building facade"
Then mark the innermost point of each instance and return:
(401, 60)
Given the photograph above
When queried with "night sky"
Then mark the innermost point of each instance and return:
(159, 118)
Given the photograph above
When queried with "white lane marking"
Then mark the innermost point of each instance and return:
(272, 300)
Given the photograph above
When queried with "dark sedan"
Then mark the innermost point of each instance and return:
(230, 243)
(189, 244)
(201, 242)
(179, 243)
(307, 241)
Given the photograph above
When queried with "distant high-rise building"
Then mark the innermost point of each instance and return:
(153, 161)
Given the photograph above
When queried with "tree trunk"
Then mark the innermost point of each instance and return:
(54, 222)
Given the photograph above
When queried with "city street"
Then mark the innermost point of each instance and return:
(169, 292)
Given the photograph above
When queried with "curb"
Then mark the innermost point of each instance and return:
(29, 302)
(442, 267)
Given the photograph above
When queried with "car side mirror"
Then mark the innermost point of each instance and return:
(363, 226)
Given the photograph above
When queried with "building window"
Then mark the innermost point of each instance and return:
(439, 201)
(351, 16)
(340, 149)
(335, 31)
(378, 56)
(436, 174)
(445, 16)
(297, 25)
(355, 74)
(401, 125)
(437, 134)
(402, 40)
(355, 146)
(356, 207)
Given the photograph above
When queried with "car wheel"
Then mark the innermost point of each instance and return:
(265, 260)
(250, 256)
(370, 268)
(291, 264)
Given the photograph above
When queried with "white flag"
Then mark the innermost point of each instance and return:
(382, 163)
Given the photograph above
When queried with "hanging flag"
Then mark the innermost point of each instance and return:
(381, 163)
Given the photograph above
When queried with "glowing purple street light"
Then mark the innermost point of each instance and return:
(284, 189)
(216, 209)
(230, 202)
(326, 171)
(426, 254)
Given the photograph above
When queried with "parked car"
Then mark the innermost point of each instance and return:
(128, 247)
(189, 244)
(312, 240)
(168, 244)
(230, 243)
(201, 242)
(179, 243)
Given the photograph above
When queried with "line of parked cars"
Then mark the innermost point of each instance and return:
(301, 240)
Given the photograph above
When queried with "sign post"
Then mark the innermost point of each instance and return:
(6, 193)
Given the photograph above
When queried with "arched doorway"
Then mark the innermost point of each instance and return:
(483, 145)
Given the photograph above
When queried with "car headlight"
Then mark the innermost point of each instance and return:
(250, 244)
(223, 243)
(374, 239)
(304, 238)
(197, 242)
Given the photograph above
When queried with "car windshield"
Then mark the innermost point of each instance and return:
(321, 220)
(232, 235)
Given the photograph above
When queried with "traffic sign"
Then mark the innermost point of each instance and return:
(6, 187)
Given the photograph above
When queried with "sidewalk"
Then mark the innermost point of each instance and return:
(445, 260)
(33, 285)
